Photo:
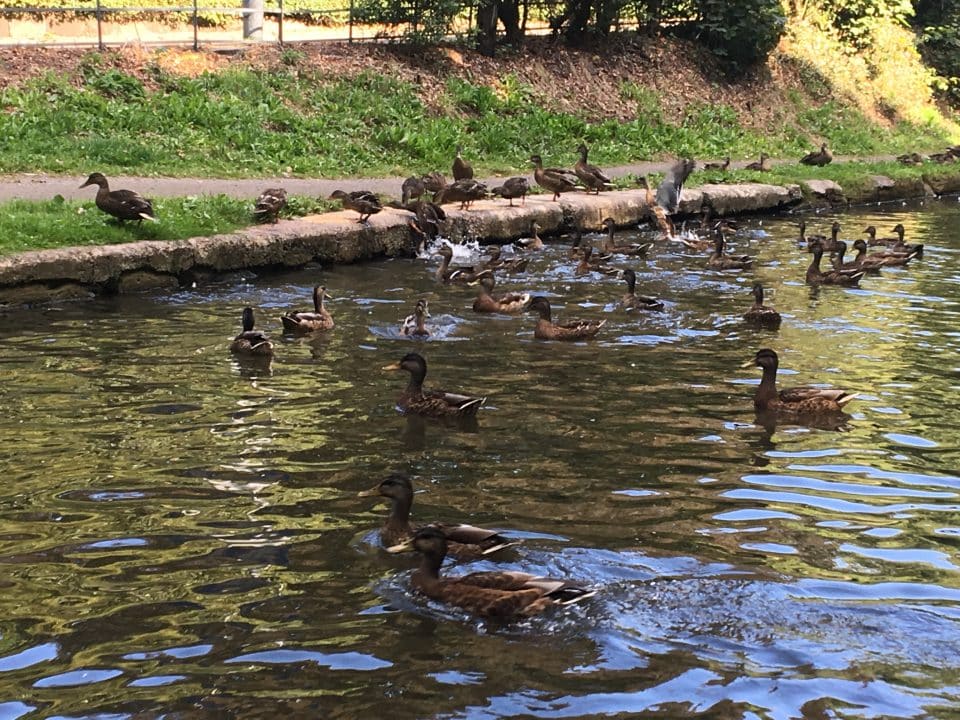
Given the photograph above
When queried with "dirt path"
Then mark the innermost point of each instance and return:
(41, 186)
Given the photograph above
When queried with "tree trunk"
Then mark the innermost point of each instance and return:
(487, 13)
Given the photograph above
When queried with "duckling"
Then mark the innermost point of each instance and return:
(431, 403)
(762, 166)
(361, 201)
(122, 204)
(719, 261)
(497, 595)
(610, 245)
(819, 157)
(462, 170)
(591, 176)
(463, 541)
(760, 314)
(894, 243)
(556, 180)
(464, 192)
(815, 276)
(415, 325)
(496, 262)
(515, 187)
(250, 341)
(533, 242)
(302, 323)
(718, 166)
(792, 402)
(507, 303)
(270, 203)
(570, 330)
(412, 189)
(588, 264)
(632, 301)
(446, 274)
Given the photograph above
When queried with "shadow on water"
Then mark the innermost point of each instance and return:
(180, 534)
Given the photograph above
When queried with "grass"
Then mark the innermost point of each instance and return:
(248, 122)
(31, 225)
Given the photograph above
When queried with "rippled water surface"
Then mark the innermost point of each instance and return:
(180, 534)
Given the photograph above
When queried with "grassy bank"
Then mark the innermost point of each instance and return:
(294, 113)
(28, 225)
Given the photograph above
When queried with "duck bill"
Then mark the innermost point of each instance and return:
(392, 367)
(85, 184)
(372, 492)
(406, 546)
(749, 363)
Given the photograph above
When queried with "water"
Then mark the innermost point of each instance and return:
(181, 535)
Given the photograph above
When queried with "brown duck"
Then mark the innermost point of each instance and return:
(250, 341)
(894, 243)
(412, 189)
(414, 325)
(815, 276)
(792, 402)
(302, 323)
(512, 188)
(591, 176)
(431, 403)
(571, 330)
(496, 595)
(270, 203)
(360, 201)
(818, 158)
(591, 263)
(507, 303)
(632, 301)
(763, 165)
(718, 166)
(719, 261)
(463, 541)
(496, 262)
(122, 204)
(462, 170)
(760, 314)
(534, 242)
(465, 192)
(556, 180)
(610, 244)
(446, 274)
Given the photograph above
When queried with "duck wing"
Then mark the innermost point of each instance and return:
(805, 393)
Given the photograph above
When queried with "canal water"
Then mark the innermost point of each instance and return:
(181, 537)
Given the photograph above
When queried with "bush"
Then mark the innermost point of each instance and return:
(741, 34)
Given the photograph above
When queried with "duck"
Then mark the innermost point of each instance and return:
(361, 201)
(270, 203)
(496, 262)
(493, 595)
(122, 204)
(792, 402)
(591, 176)
(911, 158)
(431, 403)
(463, 541)
(632, 301)
(671, 187)
(610, 246)
(894, 243)
(815, 276)
(589, 263)
(571, 330)
(534, 242)
(718, 165)
(428, 215)
(434, 182)
(873, 263)
(250, 341)
(805, 239)
(827, 244)
(462, 170)
(763, 165)
(302, 323)
(411, 189)
(512, 188)
(819, 157)
(414, 325)
(556, 180)
(507, 303)
(446, 274)
(464, 192)
(760, 314)
(719, 261)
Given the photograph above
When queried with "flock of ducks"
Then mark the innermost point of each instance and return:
(505, 595)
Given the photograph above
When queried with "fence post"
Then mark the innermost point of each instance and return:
(280, 25)
(253, 19)
(196, 25)
(99, 28)
(350, 24)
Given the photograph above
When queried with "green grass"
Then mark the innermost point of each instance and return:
(252, 122)
(31, 225)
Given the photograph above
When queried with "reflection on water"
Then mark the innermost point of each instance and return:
(180, 530)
